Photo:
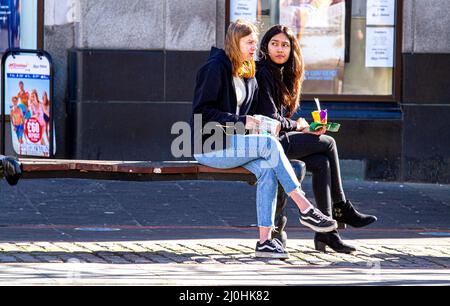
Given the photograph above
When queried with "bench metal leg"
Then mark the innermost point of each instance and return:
(341, 225)
(11, 169)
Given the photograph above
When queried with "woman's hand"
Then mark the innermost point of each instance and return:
(278, 128)
(251, 122)
(302, 124)
(322, 131)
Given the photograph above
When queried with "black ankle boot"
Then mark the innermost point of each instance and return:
(332, 240)
(344, 212)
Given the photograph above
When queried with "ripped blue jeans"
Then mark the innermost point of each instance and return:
(264, 156)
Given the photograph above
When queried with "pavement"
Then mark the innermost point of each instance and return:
(195, 233)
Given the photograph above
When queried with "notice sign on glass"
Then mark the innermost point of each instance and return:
(243, 9)
(9, 24)
(381, 12)
(27, 98)
(379, 47)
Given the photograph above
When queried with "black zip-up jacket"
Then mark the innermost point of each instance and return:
(269, 98)
(215, 98)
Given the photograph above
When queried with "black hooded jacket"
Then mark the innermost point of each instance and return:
(269, 98)
(215, 98)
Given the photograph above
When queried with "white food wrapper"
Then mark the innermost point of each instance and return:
(268, 126)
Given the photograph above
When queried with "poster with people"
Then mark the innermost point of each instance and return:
(27, 97)
(9, 24)
(320, 28)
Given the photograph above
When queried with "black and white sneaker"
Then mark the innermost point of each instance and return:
(317, 221)
(271, 249)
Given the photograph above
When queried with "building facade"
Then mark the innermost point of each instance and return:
(125, 72)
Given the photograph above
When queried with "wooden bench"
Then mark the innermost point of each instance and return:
(137, 170)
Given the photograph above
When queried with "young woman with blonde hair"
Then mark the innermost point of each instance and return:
(225, 95)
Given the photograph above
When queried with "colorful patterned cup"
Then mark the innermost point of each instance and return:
(320, 116)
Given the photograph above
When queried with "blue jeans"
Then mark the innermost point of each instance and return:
(264, 156)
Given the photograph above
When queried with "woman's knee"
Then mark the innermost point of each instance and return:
(272, 144)
(330, 141)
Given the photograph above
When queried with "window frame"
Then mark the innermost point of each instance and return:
(40, 24)
(397, 69)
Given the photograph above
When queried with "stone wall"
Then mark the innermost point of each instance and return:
(426, 83)
(425, 26)
(177, 33)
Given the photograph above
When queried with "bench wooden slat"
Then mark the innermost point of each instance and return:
(47, 167)
(129, 170)
(206, 169)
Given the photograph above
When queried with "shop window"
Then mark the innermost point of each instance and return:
(349, 46)
(19, 24)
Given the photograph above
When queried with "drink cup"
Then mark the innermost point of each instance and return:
(320, 116)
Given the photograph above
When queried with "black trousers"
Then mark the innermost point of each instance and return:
(320, 155)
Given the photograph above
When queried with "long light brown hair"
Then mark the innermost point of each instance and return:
(238, 29)
(290, 81)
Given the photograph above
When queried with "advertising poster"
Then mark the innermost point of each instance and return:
(320, 28)
(27, 98)
(243, 9)
(9, 24)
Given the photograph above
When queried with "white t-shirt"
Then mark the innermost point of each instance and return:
(241, 92)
